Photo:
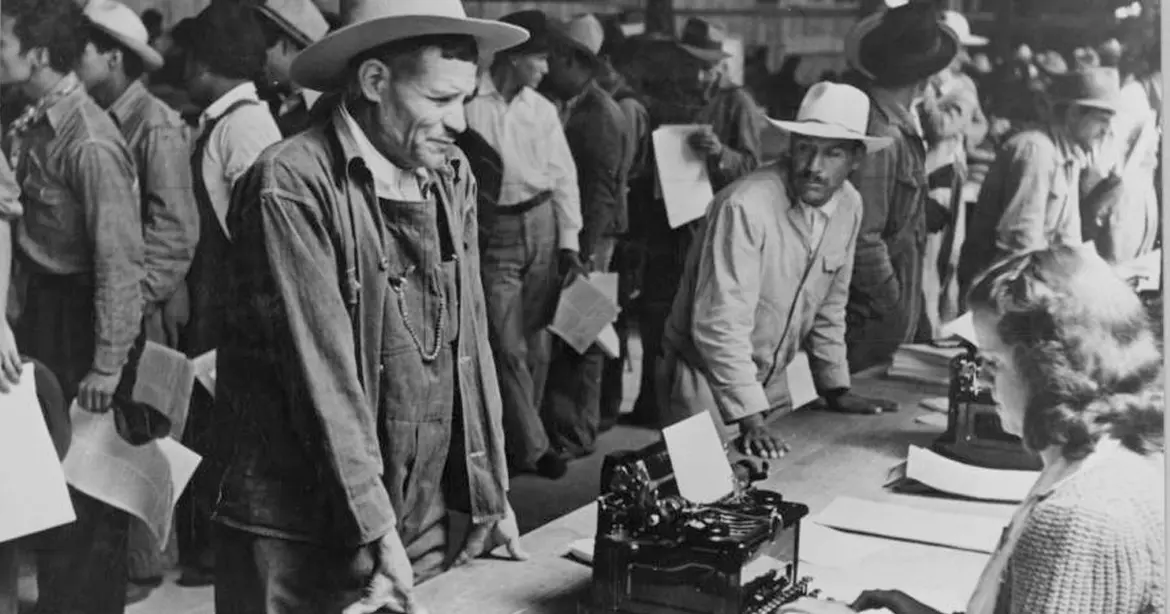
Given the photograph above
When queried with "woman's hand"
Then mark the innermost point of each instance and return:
(894, 601)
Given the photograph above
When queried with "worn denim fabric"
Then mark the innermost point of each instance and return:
(309, 387)
(519, 271)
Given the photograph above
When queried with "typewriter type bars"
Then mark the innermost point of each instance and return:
(770, 591)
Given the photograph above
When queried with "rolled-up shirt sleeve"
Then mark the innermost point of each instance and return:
(727, 291)
(108, 189)
(171, 227)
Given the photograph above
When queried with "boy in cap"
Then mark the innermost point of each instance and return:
(354, 368)
(289, 26)
(769, 276)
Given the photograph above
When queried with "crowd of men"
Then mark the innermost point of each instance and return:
(371, 217)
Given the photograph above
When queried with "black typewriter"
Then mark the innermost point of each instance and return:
(658, 553)
(974, 433)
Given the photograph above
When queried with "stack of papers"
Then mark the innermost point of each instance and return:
(944, 475)
(924, 363)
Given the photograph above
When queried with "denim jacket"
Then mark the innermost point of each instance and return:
(298, 392)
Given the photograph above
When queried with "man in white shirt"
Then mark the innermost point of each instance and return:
(529, 239)
(225, 49)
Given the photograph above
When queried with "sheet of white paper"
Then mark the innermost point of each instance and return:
(825, 547)
(800, 381)
(607, 283)
(682, 174)
(34, 496)
(932, 419)
(952, 530)
(949, 476)
(962, 327)
(701, 467)
(582, 550)
(941, 405)
(205, 371)
(609, 343)
(583, 311)
(144, 481)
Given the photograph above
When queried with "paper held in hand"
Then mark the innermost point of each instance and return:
(682, 174)
(583, 312)
(144, 481)
(33, 485)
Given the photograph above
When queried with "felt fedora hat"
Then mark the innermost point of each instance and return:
(962, 29)
(1095, 87)
(536, 23)
(301, 20)
(123, 25)
(697, 39)
(902, 45)
(367, 24)
(835, 111)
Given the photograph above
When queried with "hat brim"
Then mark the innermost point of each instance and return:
(974, 40)
(151, 60)
(910, 70)
(710, 56)
(322, 65)
(1101, 104)
(828, 131)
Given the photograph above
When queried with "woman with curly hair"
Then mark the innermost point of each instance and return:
(1078, 376)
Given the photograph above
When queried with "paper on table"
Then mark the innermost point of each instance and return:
(939, 404)
(583, 311)
(144, 481)
(946, 475)
(582, 550)
(205, 371)
(962, 327)
(701, 467)
(959, 531)
(933, 419)
(31, 479)
(801, 388)
(682, 174)
(825, 547)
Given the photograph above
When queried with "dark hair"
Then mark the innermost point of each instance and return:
(152, 19)
(227, 38)
(131, 62)
(403, 55)
(1085, 345)
(55, 25)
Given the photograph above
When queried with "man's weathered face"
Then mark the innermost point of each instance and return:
(1089, 126)
(820, 166)
(16, 66)
(420, 111)
(94, 66)
(530, 68)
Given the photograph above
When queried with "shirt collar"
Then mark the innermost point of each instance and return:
(311, 97)
(64, 97)
(391, 181)
(826, 210)
(243, 91)
(1069, 151)
(896, 113)
(487, 88)
(125, 104)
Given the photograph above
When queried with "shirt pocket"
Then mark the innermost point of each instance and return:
(46, 203)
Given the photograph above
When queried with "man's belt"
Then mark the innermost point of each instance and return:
(523, 207)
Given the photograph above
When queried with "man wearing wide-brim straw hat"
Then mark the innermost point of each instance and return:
(289, 26)
(894, 53)
(355, 356)
(770, 277)
(1031, 198)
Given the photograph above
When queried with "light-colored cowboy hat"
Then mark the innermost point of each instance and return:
(367, 24)
(301, 20)
(1094, 87)
(835, 111)
(123, 25)
(962, 29)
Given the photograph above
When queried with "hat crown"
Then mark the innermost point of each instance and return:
(587, 30)
(835, 104)
(118, 18)
(699, 33)
(300, 18)
(1096, 83)
(359, 11)
(957, 23)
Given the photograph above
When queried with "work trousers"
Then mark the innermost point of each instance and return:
(518, 266)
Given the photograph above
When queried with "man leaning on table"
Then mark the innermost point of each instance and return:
(355, 366)
(770, 277)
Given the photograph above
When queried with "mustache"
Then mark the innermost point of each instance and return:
(809, 177)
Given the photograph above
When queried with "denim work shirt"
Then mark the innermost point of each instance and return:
(302, 364)
(159, 142)
(82, 215)
(757, 288)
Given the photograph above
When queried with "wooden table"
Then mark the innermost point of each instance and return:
(832, 455)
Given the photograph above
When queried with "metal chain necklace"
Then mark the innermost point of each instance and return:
(399, 287)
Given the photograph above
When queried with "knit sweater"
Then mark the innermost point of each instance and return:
(1095, 544)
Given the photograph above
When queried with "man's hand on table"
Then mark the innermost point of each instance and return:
(756, 440)
(503, 532)
(847, 402)
(392, 585)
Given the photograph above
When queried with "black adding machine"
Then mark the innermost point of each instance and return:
(974, 433)
(658, 553)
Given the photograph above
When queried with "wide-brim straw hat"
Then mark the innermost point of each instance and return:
(301, 20)
(125, 26)
(900, 46)
(367, 24)
(835, 111)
